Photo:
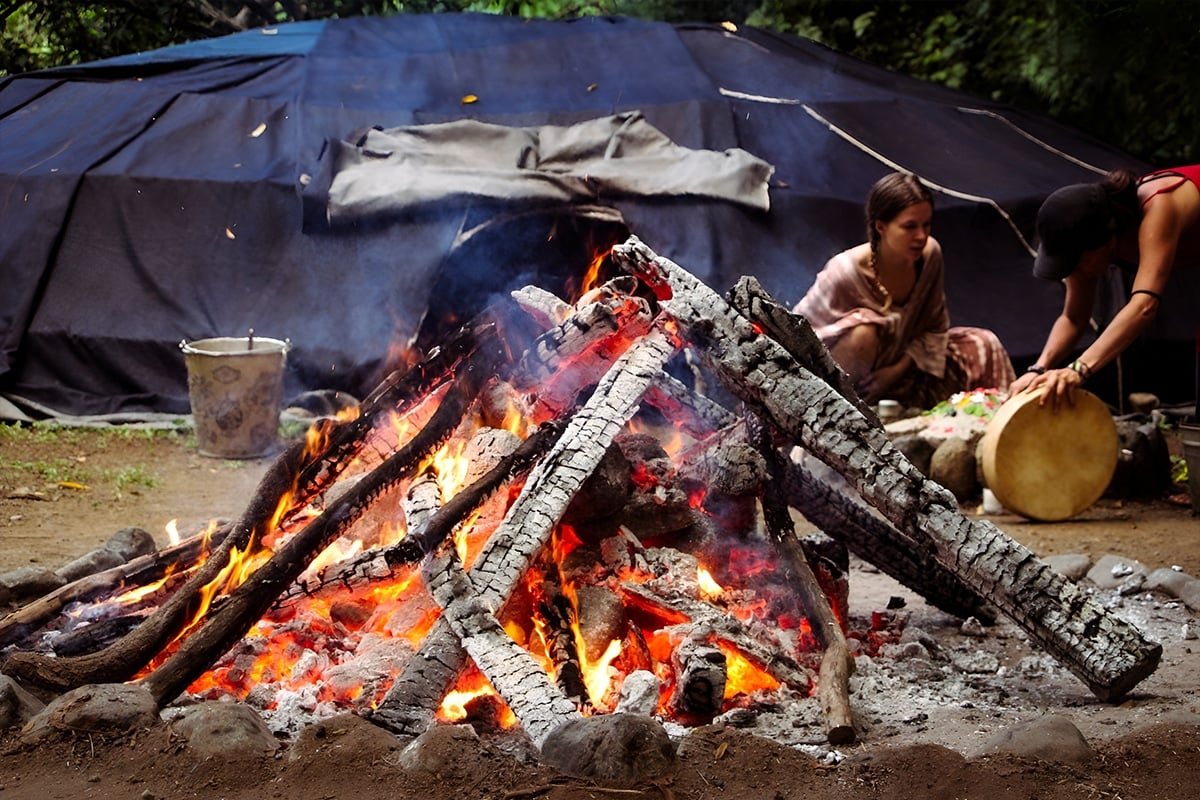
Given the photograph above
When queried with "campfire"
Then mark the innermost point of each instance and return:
(563, 512)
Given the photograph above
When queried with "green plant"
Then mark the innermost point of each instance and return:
(128, 477)
(1179, 470)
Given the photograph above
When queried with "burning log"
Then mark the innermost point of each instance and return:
(699, 690)
(1104, 651)
(294, 469)
(767, 655)
(830, 508)
(527, 527)
(27, 620)
(246, 604)
(833, 680)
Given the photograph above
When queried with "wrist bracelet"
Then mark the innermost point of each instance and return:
(1037, 369)
(1081, 369)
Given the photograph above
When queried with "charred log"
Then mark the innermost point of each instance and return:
(246, 604)
(1105, 652)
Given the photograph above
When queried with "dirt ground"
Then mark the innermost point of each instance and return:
(64, 494)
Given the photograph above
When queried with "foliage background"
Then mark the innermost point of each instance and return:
(1124, 71)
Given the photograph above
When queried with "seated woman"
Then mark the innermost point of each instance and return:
(880, 308)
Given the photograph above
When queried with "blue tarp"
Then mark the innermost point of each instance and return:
(180, 194)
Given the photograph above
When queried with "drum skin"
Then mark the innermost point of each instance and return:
(1045, 464)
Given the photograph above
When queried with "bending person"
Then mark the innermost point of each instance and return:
(880, 308)
(1143, 225)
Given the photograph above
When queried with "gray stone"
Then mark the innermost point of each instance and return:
(615, 750)
(17, 706)
(225, 729)
(96, 708)
(24, 583)
(130, 543)
(1110, 571)
(89, 564)
(1051, 738)
(1072, 566)
(1167, 581)
(953, 466)
(1189, 593)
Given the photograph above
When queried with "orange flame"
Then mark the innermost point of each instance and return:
(742, 676)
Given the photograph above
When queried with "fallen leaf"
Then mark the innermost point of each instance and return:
(73, 485)
(468, 99)
(257, 132)
(721, 748)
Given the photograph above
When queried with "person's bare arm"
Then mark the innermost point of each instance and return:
(1068, 327)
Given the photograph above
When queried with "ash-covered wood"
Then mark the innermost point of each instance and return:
(529, 523)
(699, 691)
(1105, 652)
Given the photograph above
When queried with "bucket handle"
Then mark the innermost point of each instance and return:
(184, 345)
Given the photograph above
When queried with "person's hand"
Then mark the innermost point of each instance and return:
(1059, 385)
(1023, 383)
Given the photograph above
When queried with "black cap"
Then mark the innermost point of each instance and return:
(1073, 219)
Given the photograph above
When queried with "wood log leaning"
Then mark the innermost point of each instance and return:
(837, 664)
(528, 525)
(1108, 654)
(246, 604)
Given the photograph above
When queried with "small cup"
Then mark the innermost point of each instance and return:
(888, 411)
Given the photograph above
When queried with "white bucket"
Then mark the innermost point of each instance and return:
(235, 386)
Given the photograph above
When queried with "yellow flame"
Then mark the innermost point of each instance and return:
(598, 677)
(709, 588)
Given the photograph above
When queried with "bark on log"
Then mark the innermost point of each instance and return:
(794, 333)
(700, 675)
(246, 604)
(1107, 653)
(529, 523)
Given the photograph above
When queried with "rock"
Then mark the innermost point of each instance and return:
(224, 729)
(17, 706)
(441, 749)
(1189, 594)
(1072, 566)
(916, 449)
(129, 543)
(953, 466)
(1050, 738)
(1167, 580)
(89, 564)
(344, 733)
(25, 583)
(1144, 462)
(1110, 571)
(614, 750)
(97, 708)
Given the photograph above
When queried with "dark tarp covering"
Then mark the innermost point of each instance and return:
(182, 193)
